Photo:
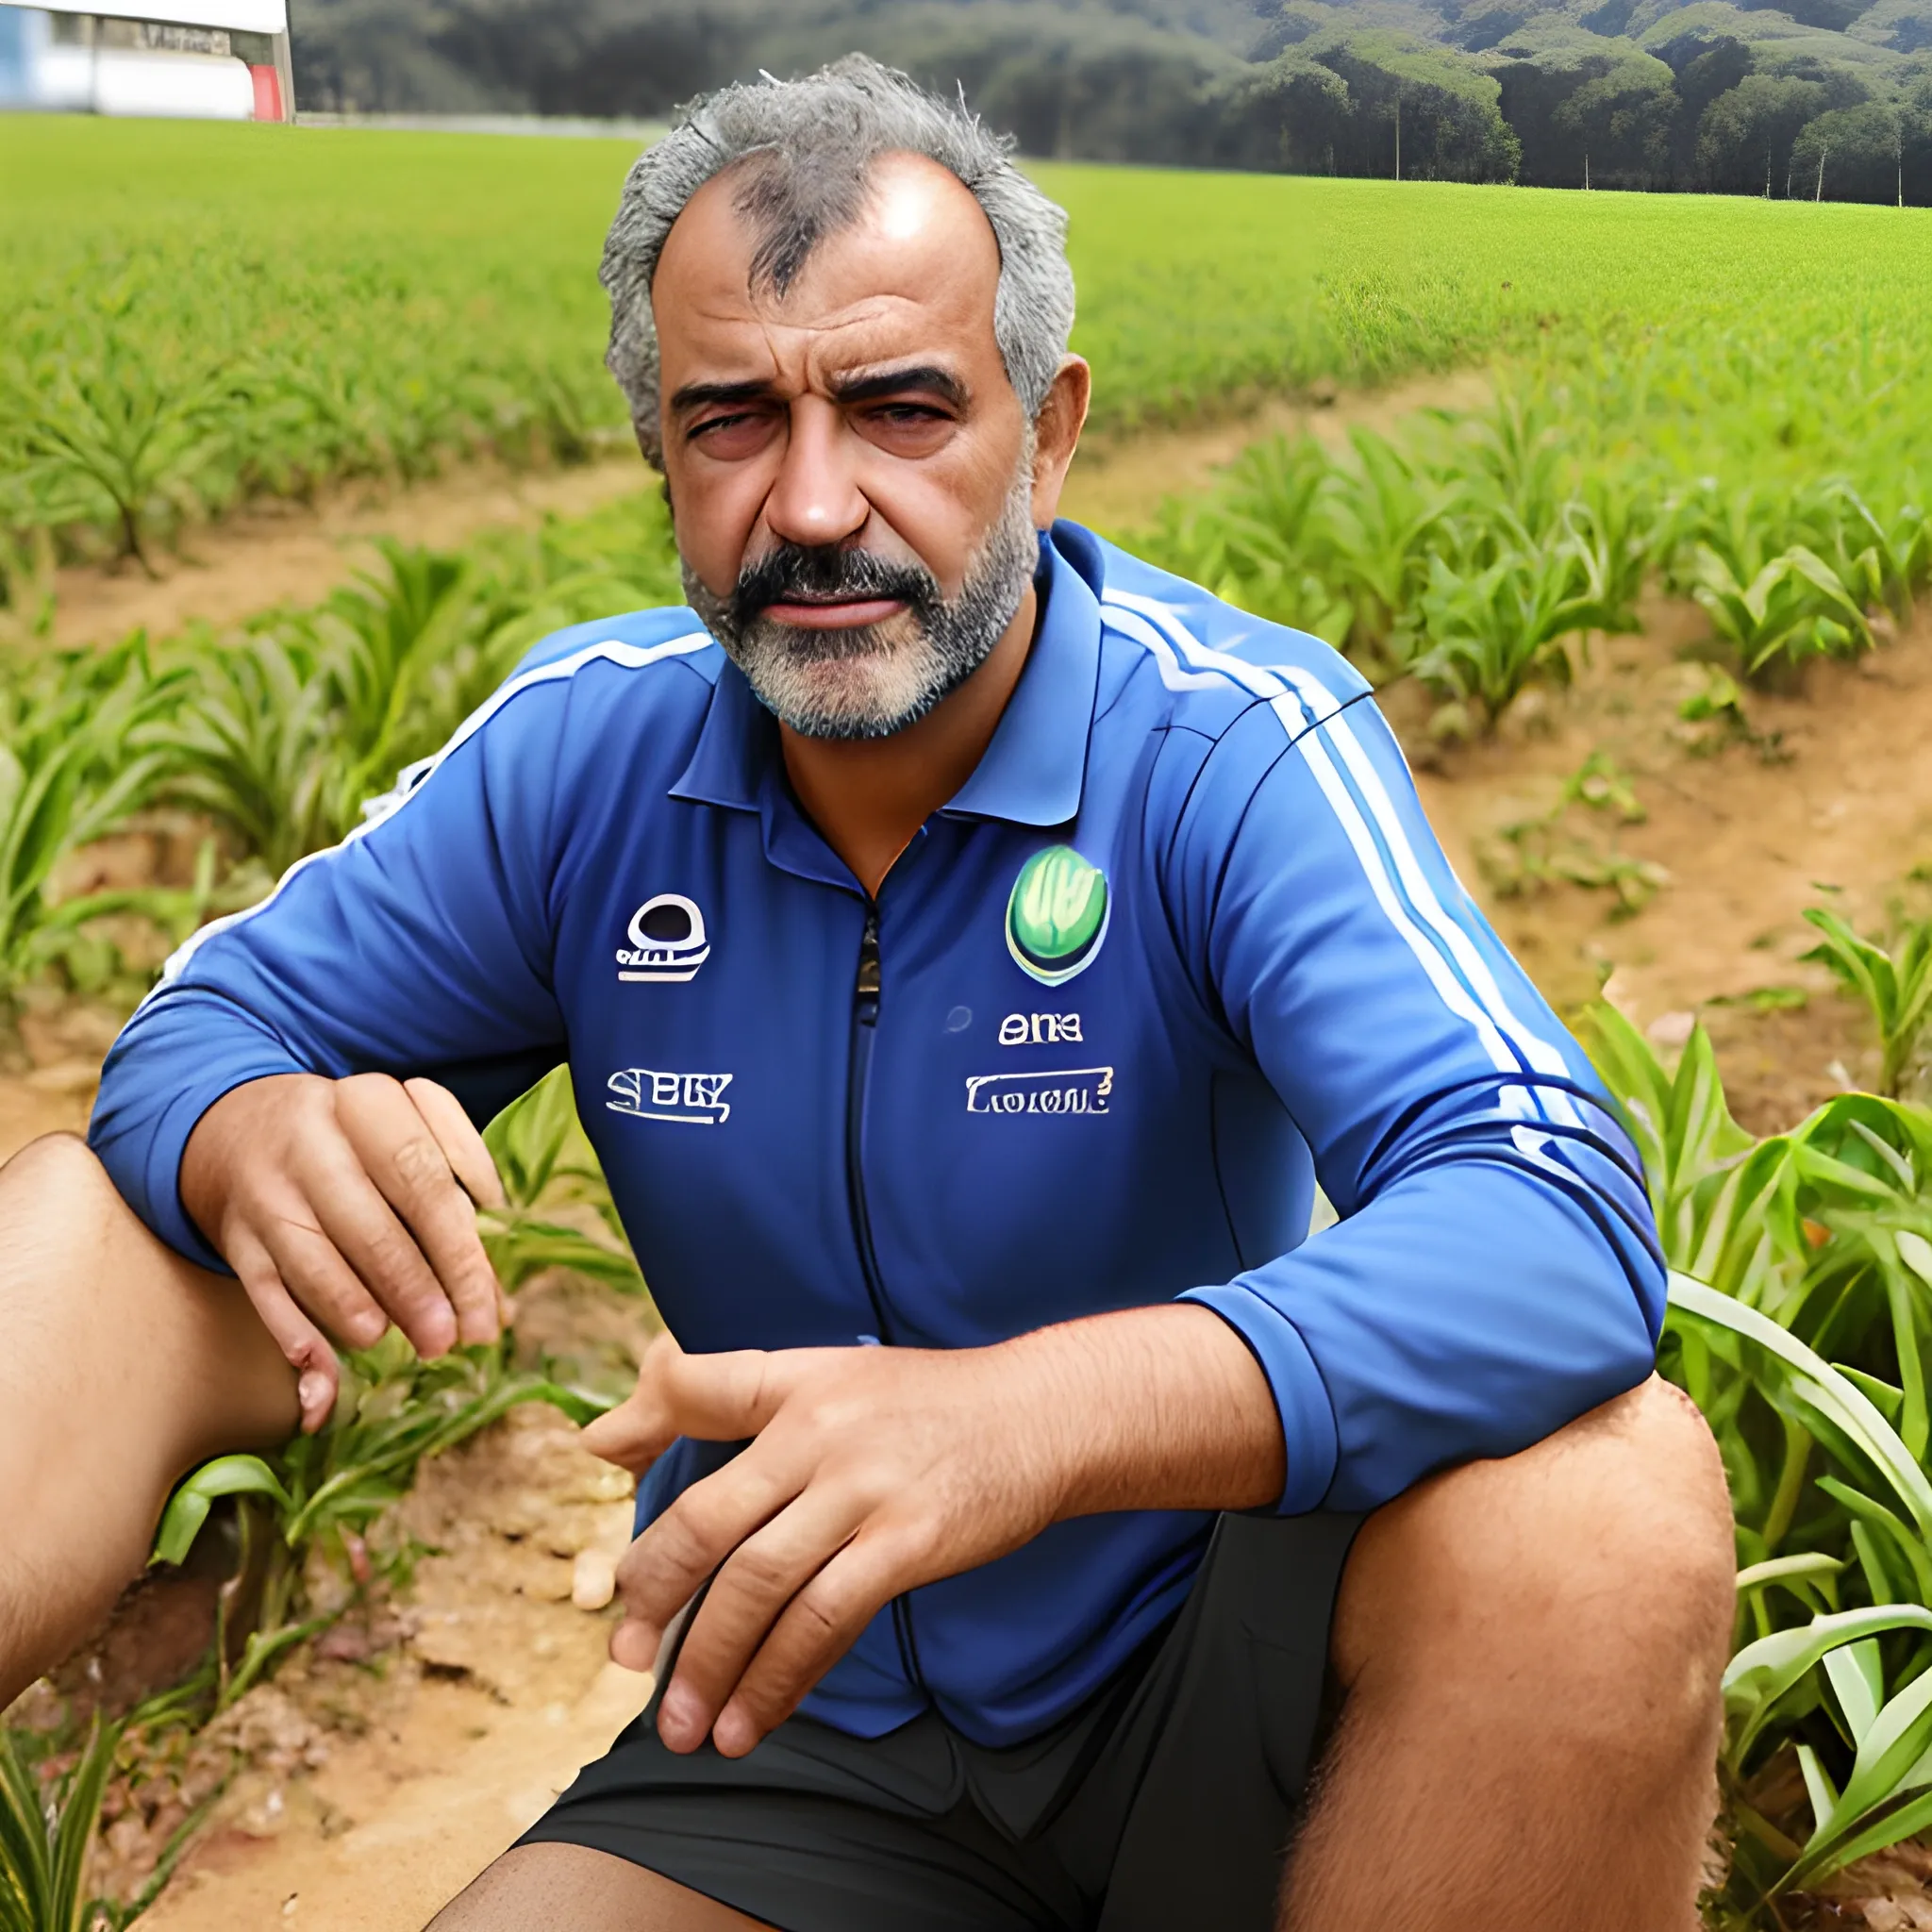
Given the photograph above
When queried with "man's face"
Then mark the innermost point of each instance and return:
(850, 470)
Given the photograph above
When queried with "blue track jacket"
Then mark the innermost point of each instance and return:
(1181, 945)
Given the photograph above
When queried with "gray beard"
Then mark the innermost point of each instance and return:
(877, 679)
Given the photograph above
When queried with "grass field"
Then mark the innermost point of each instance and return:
(1723, 401)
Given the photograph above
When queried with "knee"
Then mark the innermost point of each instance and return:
(1593, 1576)
(56, 1192)
(59, 1171)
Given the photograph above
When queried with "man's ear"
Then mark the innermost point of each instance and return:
(1056, 434)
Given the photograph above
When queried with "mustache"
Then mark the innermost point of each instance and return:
(827, 573)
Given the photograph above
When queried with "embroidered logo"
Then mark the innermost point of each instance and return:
(667, 941)
(1058, 914)
(1084, 1090)
(695, 1099)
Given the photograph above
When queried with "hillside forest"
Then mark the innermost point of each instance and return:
(1821, 99)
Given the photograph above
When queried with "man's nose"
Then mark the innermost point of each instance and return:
(815, 499)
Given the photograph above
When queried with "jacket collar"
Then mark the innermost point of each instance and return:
(1033, 772)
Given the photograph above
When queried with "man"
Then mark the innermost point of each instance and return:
(969, 945)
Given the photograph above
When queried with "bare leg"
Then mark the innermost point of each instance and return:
(122, 1366)
(586, 1891)
(1531, 1649)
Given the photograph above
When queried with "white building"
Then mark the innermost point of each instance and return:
(205, 60)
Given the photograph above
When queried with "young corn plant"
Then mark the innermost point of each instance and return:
(1799, 1296)
(1391, 519)
(1492, 633)
(1793, 607)
(297, 724)
(325, 1490)
(46, 1835)
(1262, 542)
(113, 424)
(1879, 564)
(1893, 983)
(74, 767)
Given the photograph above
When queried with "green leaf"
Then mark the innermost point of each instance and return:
(1810, 1563)
(1906, 1822)
(1858, 1677)
(1818, 1786)
(1763, 1672)
(1803, 1385)
(1896, 1740)
(187, 1508)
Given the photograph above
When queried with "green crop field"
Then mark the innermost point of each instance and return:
(195, 314)
(1722, 401)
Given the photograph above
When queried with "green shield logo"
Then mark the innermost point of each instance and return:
(1057, 917)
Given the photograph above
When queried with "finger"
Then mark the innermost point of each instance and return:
(405, 1159)
(720, 1398)
(640, 1429)
(306, 1262)
(744, 1602)
(383, 1253)
(316, 1374)
(663, 1568)
(819, 1625)
(463, 1145)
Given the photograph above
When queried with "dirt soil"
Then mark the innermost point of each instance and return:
(382, 1778)
(402, 1774)
(1832, 804)
(276, 553)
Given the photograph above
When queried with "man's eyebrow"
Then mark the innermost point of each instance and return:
(698, 396)
(896, 382)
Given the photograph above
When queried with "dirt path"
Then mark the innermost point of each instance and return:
(291, 553)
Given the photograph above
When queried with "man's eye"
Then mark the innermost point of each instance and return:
(716, 422)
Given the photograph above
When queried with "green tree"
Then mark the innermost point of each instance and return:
(1744, 137)
(1622, 122)
(1850, 154)
(1558, 98)
(1431, 110)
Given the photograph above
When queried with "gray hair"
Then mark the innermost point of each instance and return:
(816, 139)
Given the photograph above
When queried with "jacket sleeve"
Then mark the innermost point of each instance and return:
(419, 945)
(1495, 1272)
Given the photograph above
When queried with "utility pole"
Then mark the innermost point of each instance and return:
(1821, 153)
(1586, 171)
(1767, 167)
(1398, 134)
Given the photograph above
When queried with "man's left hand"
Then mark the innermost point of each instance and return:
(875, 1470)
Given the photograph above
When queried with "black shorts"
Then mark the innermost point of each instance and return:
(1166, 1800)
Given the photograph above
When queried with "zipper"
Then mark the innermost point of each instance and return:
(865, 1021)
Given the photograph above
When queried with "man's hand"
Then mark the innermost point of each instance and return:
(342, 1205)
(876, 1469)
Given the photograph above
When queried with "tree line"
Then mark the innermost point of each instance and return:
(1831, 99)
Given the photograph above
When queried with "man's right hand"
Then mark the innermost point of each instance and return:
(343, 1206)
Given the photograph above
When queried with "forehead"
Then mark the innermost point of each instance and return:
(919, 270)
